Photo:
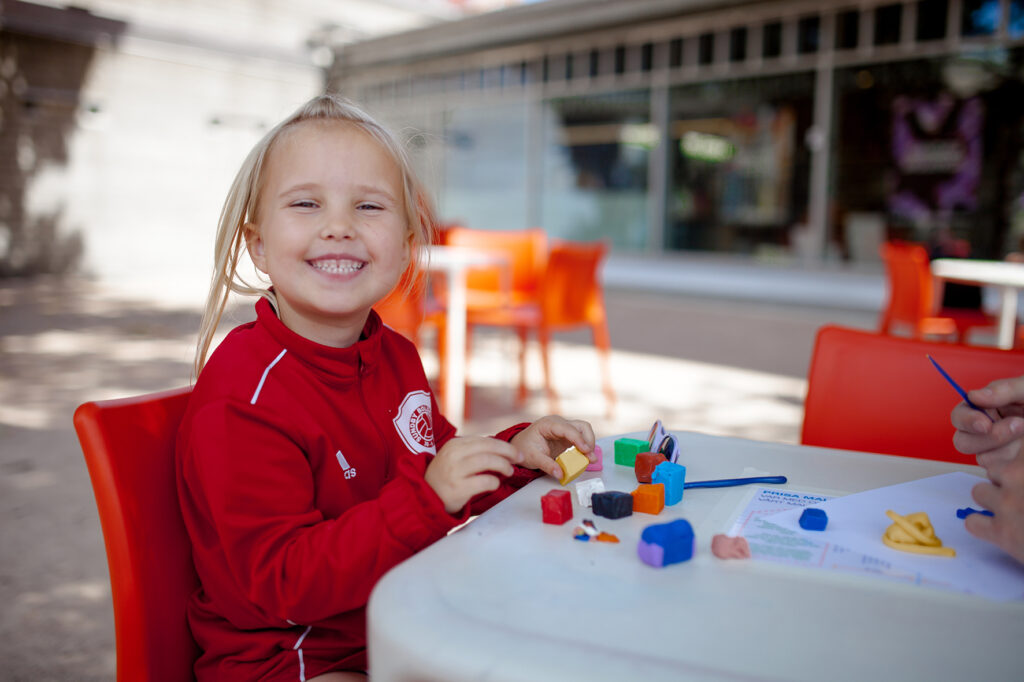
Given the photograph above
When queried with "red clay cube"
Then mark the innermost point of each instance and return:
(645, 465)
(556, 506)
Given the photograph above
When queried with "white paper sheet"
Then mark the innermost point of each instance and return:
(857, 522)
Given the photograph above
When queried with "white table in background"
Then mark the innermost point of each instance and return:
(508, 598)
(1008, 277)
(454, 262)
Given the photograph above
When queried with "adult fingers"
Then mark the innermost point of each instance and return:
(987, 495)
(981, 526)
(1000, 392)
(1002, 432)
(964, 418)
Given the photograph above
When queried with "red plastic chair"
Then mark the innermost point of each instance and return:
(913, 301)
(877, 393)
(129, 449)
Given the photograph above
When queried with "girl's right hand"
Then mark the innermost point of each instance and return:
(466, 467)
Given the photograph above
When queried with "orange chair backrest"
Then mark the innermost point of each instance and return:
(879, 393)
(526, 251)
(910, 282)
(404, 308)
(129, 449)
(571, 293)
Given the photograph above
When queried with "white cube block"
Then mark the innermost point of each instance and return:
(586, 488)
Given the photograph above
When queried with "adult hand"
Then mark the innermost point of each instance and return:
(466, 467)
(975, 434)
(1004, 497)
(548, 437)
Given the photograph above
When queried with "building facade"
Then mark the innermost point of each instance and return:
(779, 129)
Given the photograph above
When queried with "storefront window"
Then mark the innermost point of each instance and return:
(484, 168)
(948, 154)
(595, 168)
(739, 171)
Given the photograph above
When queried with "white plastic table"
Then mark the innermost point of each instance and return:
(510, 598)
(1007, 277)
(455, 262)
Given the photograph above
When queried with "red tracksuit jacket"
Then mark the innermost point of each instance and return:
(300, 475)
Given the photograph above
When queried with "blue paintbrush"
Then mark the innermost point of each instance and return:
(962, 392)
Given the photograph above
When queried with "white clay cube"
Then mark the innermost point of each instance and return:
(584, 489)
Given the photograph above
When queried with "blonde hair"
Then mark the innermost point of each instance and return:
(243, 199)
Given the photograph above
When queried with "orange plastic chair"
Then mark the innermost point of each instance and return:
(129, 450)
(502, 297)
(878, 393)
(913, 301)
(572, 297)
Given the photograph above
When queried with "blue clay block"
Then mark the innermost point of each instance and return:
(673, 477)
(612, 504)
(663, 544)
(813, 519)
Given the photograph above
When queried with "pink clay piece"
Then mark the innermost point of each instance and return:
(726, 547)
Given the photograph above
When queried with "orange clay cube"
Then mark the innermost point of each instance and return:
(649, 498)
(573, 463)
(645, 464)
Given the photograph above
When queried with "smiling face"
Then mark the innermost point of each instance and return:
(331, 229)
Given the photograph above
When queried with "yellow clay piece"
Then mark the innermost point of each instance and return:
(914, 533)
(573, 463)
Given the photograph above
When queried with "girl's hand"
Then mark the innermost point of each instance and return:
(976, 435)
(545, 439)
(466, 467)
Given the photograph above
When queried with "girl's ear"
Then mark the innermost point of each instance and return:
(254, 244)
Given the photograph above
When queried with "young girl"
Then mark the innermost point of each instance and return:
(312, 457)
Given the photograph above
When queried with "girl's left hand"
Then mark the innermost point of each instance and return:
(545, 439)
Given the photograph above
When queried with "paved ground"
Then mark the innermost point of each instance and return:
(725, 367)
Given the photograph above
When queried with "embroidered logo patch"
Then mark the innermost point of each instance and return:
(414, 424)
(350, 471)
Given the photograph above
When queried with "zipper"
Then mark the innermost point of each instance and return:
(376, 427)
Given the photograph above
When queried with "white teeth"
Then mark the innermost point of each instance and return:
(337, 267)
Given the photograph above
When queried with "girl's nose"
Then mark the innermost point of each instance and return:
(337, 226)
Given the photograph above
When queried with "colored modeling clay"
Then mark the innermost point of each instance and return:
(914, 533)
(626, 450)
(573, 463)
(598, 464)
(728, 547)
(673, 477)
(612, 504)
(556, 506)
(967, 511)
(645, 464)
(586, 488)
(666, 543)
(649, 498)
(813, 519)
(588, 531)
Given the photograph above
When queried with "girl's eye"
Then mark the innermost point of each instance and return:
(304, 203)
(365, 206)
